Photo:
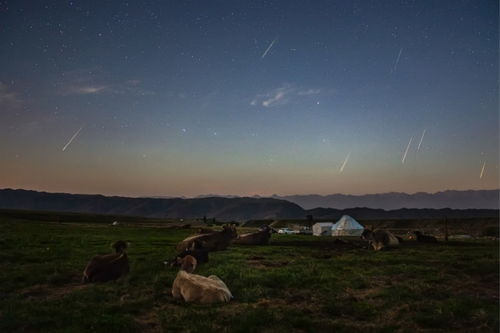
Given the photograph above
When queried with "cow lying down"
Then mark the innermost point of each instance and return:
(196, 251)
(195, 288)
(260, 237)
(214, 241)
(380, 239)
(103, 268)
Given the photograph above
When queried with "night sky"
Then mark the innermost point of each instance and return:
(248, 97)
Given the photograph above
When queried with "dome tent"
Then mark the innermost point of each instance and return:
(347, 226)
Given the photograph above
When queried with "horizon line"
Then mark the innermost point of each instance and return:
(245, 196)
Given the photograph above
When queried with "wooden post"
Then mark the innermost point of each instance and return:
(445, 228)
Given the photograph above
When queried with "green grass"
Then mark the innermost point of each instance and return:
(295, 284)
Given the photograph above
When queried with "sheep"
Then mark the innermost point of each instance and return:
(380, 239)
(424, 238)
(196, 288)
(107, 267)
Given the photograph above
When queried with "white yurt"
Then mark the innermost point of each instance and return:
(322, 228)
(347, 226)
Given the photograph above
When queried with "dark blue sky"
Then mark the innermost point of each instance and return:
(240, 97)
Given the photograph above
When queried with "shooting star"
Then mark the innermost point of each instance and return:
(72, 138)
(482, 170)
(406, 151)
(397, 60)
(421, 139)
(268, 49)
(345, 162)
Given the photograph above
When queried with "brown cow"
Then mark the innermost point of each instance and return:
(424, 238)
(108, 267)
(200, 254)
(188, 263)
(197, 288)
(380, 239)
(260, 237)
(215, 241)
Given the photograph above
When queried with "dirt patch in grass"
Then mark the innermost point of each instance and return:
(148, 322)
(50, 292)
(263, 264)
(323, 244)
(486, 287)
(255, 258)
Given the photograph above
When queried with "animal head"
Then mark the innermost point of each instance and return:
(188, 263)
(230, 230)
(119, 246)
(367, 234)
(266, 228)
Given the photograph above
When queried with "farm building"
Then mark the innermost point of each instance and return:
(347, 226)
(322, 228)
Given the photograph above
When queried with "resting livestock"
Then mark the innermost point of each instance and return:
(424, 238)
(260, 237)
(195, 288)
(380, 239)
(215, 241)
(200, 254)
(107, 267)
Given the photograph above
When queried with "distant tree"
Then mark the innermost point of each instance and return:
(204, 219)
(310, 220)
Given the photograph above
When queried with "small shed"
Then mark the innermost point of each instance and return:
(322, 228)
(347, 226)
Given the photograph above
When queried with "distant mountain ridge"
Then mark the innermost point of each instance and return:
(469, 199)
(219, 207)
(224, 209)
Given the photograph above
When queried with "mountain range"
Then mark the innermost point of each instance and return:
(222, 208)
(479, 199)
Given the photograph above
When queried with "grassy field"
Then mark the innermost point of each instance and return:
(295, 284)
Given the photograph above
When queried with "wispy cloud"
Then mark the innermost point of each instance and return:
(8, 98)
(282, 95)
(309, 92)
(95, 82)
(275, 97)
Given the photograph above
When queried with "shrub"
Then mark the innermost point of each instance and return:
(491, 231)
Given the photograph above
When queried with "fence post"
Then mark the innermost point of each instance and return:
(445, 228)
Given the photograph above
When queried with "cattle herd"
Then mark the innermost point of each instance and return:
(194, 250)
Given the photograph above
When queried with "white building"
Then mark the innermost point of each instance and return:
(322, 228)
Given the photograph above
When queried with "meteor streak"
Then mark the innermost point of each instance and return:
(397, 60)
(345, 162)
(72, 138)
(406, 151)
(482, 171)
(421, 139)
(268, 49)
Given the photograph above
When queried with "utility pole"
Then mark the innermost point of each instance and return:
(445, 228)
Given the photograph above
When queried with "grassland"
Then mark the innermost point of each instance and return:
(295, 284)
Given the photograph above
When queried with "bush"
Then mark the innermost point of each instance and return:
(491, 231)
